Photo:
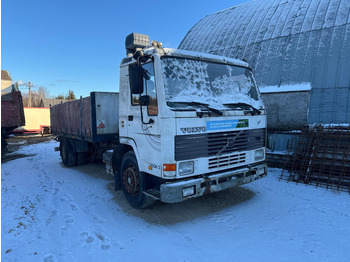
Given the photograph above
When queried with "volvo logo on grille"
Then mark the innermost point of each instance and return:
(230, 143)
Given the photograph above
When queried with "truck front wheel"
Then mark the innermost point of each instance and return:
(69, 158)
(134, 183)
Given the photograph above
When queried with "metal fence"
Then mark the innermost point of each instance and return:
(321, 158)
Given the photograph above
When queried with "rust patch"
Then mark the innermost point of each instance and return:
(207, 187)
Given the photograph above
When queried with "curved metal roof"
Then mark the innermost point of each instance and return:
(287, 42)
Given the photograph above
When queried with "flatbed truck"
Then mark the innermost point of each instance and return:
(182, 125)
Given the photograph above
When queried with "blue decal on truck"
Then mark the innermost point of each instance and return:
(227, 124)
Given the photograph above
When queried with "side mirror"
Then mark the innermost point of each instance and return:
(144, 100)
(135, 79)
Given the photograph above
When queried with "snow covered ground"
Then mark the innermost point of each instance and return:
(53, 213)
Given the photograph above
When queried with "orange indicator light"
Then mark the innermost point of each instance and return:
(169, 167)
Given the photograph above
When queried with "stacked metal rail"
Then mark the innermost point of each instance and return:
(321, 157)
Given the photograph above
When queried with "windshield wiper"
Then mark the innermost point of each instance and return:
(244, 106)
(193, 103)
(217, 111)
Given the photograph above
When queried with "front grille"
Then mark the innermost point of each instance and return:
(210, 144)
(227, 160)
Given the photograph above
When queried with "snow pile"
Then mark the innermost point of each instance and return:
(53, 213)
(286, 88)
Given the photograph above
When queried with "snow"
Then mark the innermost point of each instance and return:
(53, 213)
(256, 21)
(199, 55)
(277, 152)
(286, 88)
(345, 125)
(188, 80)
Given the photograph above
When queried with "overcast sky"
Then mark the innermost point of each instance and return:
(78, 45)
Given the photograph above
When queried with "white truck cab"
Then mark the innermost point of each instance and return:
(189, 124)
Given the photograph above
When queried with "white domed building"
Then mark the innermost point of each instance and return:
(298, 49)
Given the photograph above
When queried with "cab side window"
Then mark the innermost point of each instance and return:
(149, 89)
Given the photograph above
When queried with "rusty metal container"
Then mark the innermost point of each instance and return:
(93, 118)
(12, 114)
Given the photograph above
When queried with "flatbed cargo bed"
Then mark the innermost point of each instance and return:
(93, 119)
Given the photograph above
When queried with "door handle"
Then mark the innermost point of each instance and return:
(130, 118)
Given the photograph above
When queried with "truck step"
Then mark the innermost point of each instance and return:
(152, 193)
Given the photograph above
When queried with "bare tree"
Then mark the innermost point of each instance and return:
(36, 96)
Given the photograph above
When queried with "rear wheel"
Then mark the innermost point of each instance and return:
(134, 183)
(69, 158)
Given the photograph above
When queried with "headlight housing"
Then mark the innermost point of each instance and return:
(186, 168)
(188, 191)
(259, 154)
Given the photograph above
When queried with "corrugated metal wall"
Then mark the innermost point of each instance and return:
(287, 42)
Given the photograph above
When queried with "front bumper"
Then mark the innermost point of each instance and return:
(172, 192)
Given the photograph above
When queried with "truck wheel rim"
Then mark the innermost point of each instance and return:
(131, 180)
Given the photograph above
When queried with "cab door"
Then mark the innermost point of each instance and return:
(143, 123)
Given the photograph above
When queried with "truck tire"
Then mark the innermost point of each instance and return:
(134, 183)
(69, 157)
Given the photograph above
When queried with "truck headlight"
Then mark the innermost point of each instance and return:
(186, 168)
(188, 191)
(259, 154)
(261, 171)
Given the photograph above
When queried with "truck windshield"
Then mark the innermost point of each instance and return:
(217, 85)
